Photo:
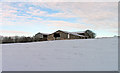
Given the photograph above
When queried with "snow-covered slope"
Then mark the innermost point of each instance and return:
(62, 55)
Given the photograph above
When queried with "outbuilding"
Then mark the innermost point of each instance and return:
(62, 35)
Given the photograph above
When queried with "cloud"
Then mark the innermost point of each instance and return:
(61, 15)
(14, 33)
(36, 12)
(83, 9)
(8, 12)
(0, 13)
(59, 1)
(66, 24)
(97, 16)
(7, 31)
(10, 15)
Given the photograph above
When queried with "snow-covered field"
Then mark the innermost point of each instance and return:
(62, 55)
(0, 58)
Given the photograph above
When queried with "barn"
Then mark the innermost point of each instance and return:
(40, 37)
(62, 35)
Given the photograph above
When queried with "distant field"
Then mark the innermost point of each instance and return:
(62, 55)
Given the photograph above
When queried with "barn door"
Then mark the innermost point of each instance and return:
(68, 36)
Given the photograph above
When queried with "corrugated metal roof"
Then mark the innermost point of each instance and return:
(74, 33)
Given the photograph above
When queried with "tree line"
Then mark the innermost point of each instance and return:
(16, 39)
(19, 39)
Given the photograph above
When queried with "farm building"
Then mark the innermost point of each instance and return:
(62, 35)
(40, 37)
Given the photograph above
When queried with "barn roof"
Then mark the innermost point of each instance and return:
(74, 33)
(43, 33)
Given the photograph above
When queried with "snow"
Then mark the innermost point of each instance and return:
(75, 33)
(43, 33)
(62, 55)
(0, 58)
